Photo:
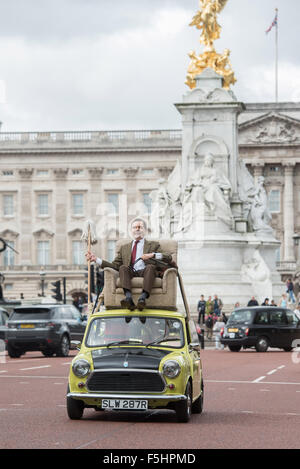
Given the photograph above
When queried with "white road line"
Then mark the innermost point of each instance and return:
(280, 367)
(3, 371)
(272, 372)
(35, 367)
(246, 382)
(258, 380)
(35, 377)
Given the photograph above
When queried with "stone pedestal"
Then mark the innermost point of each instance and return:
(220, 258)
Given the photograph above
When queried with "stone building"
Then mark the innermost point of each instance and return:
(52, 182)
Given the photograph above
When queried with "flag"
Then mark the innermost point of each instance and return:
(274, 23)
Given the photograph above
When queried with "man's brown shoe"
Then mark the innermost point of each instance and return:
(128, 303)
(141, 304)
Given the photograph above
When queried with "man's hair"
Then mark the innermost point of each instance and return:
(140, 220)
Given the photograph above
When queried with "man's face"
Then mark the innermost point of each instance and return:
(138, 230)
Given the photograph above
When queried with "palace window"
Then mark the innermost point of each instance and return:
(8, 205)
(111, 250)
(147, 201)
(77, 204)
(9, 255)
(78, 249)
(274, 201)
(43, 204)
(43, 252)
(113, 200)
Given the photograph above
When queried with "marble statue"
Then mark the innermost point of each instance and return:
(260, 217)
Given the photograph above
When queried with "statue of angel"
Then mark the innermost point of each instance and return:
(206, 19)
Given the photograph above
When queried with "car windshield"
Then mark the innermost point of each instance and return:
(240, 316)
(133, 330)
(29, 314)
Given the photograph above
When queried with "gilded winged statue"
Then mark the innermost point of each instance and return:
(206, 20)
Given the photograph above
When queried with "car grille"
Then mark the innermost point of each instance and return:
(125, 381)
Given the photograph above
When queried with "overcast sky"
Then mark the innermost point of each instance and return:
(121, 64)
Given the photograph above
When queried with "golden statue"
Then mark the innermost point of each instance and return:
(206, 20)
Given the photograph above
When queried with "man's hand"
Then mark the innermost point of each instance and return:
(145, 257)
(90, 256)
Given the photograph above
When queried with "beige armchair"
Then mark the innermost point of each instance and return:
(164, 291)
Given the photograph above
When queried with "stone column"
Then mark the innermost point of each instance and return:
(288, 213)
(26, 215)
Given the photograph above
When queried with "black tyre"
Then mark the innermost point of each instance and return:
(75, 407)
(197, 406)
(13, 352)
(48, 353)
(184, 408)
(234, 348)
(262, 344)
(64, 347)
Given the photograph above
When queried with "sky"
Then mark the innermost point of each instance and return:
(121, 64)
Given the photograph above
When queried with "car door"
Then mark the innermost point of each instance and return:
(279, 332)
(293, 329)
(79, 325)
(3, 327)
(194, 352)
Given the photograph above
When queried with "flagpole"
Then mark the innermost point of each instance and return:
(276, 58)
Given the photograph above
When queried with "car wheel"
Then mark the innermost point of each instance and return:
(64, 347)
(197, 406)
(12, 352)
(48, 353)
(262, 344)
(75, 407)
(287, 349)
(234, 348)
(184, 408)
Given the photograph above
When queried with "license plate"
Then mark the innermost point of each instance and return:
(233, 330)
(231, 335)
(124, 404)
(27, 326)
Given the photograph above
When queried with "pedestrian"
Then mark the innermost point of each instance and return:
(252, 302)
(219, 325)
(224, 317)
(290, 290)
(209, 323)
(237, 305)
(273, 303)
(283, 301)
(209, 306)
(266, 302)
(217, 302)
(201, 310)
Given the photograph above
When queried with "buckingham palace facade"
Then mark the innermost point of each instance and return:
(52, 182)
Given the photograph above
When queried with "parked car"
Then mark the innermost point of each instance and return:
(261, 327)
(3, 322)
(48, 328)
(137, 361)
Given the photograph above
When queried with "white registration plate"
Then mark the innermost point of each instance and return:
(125, 404)
(231, 335)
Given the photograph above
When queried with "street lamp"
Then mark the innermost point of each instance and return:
(42, 277)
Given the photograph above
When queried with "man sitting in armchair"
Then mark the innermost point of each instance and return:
(125, 263)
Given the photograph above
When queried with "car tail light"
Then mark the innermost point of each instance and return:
(247, 331)
(50, 324)
(222, 332)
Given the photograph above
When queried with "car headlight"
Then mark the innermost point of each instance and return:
(171, 369)
(81, 368)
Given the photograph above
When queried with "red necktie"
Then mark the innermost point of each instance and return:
(133, 252)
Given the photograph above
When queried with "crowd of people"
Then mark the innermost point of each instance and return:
(211, 316)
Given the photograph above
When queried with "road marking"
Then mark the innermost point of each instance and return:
(280, 367)
(35, 367)
(258, 380)
(244, 382)
(35, 377)
(3, 371)
(272, 372)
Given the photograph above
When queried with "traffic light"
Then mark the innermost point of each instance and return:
(56, 290)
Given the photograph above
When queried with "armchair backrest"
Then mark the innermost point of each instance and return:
(167, 245)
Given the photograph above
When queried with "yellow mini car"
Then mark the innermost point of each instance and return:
(137, 361)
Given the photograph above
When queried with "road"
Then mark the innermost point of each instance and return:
(252, 400)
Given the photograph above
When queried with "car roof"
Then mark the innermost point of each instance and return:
(42, 305)
(146, 312)
(261, 308)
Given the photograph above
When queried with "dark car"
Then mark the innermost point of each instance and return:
(261, 327)
(3, 323)
(48, 328)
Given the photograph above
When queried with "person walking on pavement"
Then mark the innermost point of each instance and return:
(290, 290)
(209, 323)
(201, 310)
(219, 325)
(252, 302)
(217, 302)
